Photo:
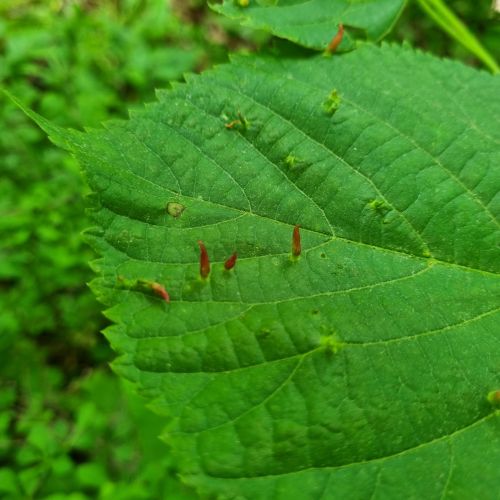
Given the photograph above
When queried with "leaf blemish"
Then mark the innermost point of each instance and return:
(175, 209)
(332, 103)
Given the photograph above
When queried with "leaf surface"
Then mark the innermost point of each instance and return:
(360, 369)
(313, 23)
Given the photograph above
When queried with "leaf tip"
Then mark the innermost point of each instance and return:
(56, 134)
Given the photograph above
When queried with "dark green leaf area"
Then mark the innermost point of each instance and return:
(364, 361)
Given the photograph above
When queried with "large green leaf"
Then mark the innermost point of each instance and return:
(313, 23)
(362, 368)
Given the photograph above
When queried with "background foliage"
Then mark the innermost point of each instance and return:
(68, 428)
(67, 425)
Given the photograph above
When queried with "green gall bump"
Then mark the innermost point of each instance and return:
(332, 103)
(175, 209)
(291, 161)
(126, 284)
(494, 398)
(265, 332)
(331, 344)
(380, 206)
(243, 3)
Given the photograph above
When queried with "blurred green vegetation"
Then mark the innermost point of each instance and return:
(416, 28)
(69, 429)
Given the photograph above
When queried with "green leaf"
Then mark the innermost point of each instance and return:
(361, 368)
(313, 23)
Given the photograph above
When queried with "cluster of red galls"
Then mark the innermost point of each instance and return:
(228, 264)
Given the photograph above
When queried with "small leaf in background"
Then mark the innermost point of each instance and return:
(314, 23)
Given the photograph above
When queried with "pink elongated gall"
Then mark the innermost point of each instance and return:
(229, 264)
(160, 291)
(204, 261)
(332, 46)
(296, 246)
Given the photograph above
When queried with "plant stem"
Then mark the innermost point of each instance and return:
(448, 20)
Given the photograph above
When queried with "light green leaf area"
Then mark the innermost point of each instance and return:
(313, 23)
(360, 369)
